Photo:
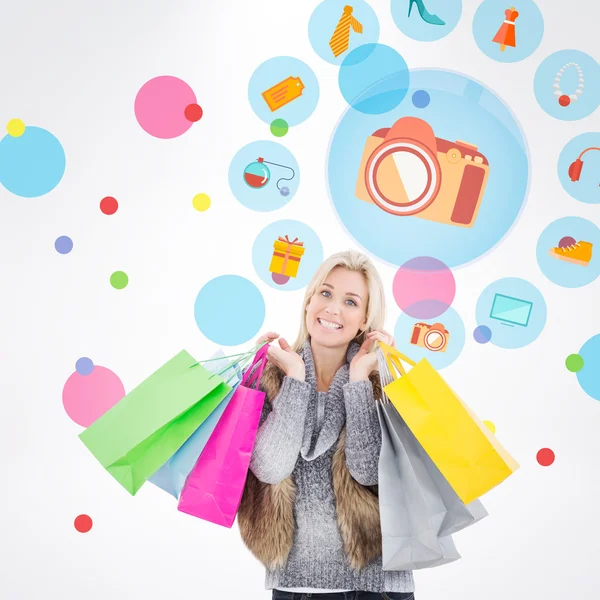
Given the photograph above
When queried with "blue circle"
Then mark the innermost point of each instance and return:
(482, 334)
(545, 80)
(63, 244)
(421, 99)
(582, 181)
(408, 330)
(323, 23)
(32, 164)
(264, 248)
(514, 310)
(284, 174)
(84, 365)
(373, 79)
(552, 263)
(460, 109)
(529, 29)
(288, 74)
(426, 20)
(284, 191)
(229, 310)
(588, 376)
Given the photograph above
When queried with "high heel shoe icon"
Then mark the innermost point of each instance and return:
(425, 14)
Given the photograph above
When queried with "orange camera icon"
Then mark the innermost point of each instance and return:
(433, 337)
(407, 171)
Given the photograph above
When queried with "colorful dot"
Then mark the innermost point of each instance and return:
(109, 205)
(566, 242)
(545, 457)
(424, 287)
(284, 191)
(15, 128)
(220, 315)
(201, 202)
(564, 100)
(83, 523)
(87, 397)
(574, 363)
(63, 244)
(84, 366)
(279, 127)
(482, 334)
(279, 279)
(119, 280)
(421, 99)
(490, 426)
(193, 112)
(32, 164)
(161, 106)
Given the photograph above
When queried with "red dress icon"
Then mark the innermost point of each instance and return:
(506, 34)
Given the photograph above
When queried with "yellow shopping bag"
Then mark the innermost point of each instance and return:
(465, 451)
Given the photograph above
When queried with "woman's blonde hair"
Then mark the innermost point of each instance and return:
(353, 261)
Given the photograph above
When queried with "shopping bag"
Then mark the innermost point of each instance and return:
(213, 490)
(465, 451)
(146, 427)
(419, 510)
(172, 475)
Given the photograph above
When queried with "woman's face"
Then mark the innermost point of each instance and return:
(338, 308)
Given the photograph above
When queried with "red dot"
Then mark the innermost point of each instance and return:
(109, 205)
(545, 457)
(193, 112)
(564, 100)
(83, 523)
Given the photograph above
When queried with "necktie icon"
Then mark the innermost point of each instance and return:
(340, 40)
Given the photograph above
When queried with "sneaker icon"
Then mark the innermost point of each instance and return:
(579, 253)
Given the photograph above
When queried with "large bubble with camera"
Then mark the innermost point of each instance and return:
(444, 173)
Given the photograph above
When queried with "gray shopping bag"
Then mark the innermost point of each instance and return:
(419, 509)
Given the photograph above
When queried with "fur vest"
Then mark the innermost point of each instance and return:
(266, 513)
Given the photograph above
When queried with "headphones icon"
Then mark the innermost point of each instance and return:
(576, 167)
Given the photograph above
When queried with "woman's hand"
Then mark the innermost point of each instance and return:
(284, 357)
(365, 362)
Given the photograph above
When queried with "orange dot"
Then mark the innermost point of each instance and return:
(545, 457)
(83, 523)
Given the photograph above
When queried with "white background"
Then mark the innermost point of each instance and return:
(74, 68)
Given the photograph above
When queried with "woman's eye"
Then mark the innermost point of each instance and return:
(325, 292)
(353, 303)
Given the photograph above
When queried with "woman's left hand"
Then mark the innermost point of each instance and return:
(365, 362)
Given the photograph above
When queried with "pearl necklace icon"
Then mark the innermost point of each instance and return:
(564, 99)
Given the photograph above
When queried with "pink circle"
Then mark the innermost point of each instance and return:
(424, 287)
(160, 106)
(566, 242)
(87, 397)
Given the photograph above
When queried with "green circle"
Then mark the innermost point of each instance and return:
(574, 363)
(279, 127)
(119, 280)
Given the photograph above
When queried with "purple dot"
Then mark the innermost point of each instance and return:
(84, 366)
(63, 244)
(566, 242)
(284, 191)
(482, 334)
(421, 99)
(279, 279)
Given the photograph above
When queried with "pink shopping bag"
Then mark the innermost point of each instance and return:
(213, 489)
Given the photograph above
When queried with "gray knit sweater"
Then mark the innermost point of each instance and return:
(298, 437)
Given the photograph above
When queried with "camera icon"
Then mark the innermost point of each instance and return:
(433, 337)
(407, 171)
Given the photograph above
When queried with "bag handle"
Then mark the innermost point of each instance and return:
(254, 373)
(393, 359)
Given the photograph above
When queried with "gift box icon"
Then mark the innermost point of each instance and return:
(286, 259)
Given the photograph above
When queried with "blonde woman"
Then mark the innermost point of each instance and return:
(310, 511)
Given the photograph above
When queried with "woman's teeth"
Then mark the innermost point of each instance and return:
(329, 324)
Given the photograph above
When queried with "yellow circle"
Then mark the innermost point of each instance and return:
(201, 202)
(453, 155)
(15, 128)
(490, 426)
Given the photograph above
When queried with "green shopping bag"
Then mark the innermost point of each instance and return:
(146, 427)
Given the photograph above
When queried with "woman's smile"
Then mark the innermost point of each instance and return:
(329, 325)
